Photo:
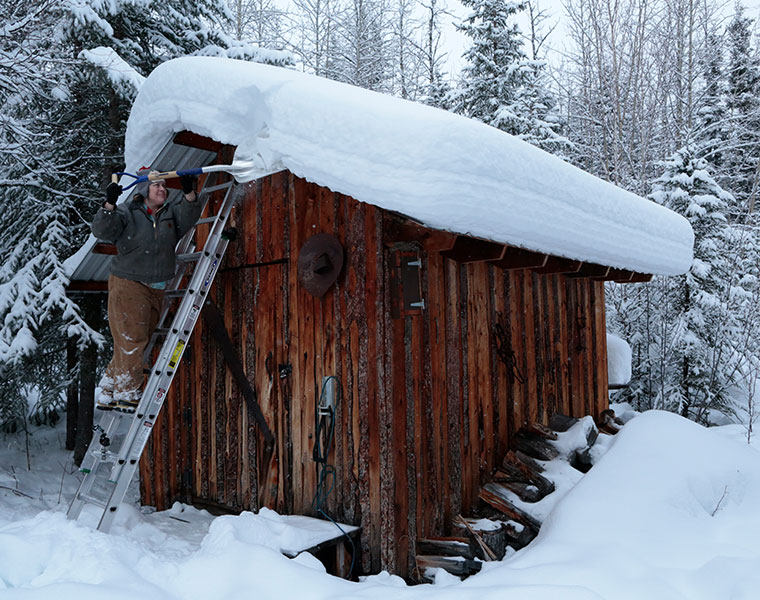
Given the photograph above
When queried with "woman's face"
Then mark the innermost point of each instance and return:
(157, 194)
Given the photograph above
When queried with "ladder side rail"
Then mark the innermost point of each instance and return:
(183, 246)
(155, 397)
(92, 459)
(182, 326)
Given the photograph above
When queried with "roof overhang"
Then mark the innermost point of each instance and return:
(186, 149)
(90, 266)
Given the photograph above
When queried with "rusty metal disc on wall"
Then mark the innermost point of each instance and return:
(319, 263)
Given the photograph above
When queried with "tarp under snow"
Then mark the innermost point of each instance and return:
(447, 171)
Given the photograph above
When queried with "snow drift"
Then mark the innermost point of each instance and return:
(668, 513)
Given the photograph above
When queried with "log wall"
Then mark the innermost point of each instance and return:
(427, 406)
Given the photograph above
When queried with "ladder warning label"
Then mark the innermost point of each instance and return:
(142, 437)
(176, 354)
(192, 317)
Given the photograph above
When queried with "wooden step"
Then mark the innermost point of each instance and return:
(517, 534)
(521, 460)
(526, 490)
(520, 468)
(609, 423)
(561, 423)
(489, 543)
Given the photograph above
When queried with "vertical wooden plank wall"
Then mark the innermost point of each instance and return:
(426, 407)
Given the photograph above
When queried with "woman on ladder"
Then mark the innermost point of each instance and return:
(145, 232)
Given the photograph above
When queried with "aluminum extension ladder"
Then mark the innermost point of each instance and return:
(99, 481)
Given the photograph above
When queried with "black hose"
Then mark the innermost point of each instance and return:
(325, 427)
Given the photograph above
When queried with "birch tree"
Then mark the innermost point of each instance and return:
(317, 23)
(617, 90)
(258, 21)
(364, 38)
(437, 89)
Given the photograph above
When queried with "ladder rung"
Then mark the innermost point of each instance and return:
(189, 257)
(210, 219)
(176, 293)
(91, 500)
(220, 186)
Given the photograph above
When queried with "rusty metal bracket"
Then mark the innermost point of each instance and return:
(215, 323)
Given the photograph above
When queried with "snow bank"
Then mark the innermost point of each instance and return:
(668, 513)
(447, 171)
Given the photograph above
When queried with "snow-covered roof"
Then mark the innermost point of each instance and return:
(447, 171)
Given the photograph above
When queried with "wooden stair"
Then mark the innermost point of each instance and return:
(507, 526)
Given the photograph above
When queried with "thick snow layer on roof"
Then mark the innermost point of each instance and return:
(447, 171)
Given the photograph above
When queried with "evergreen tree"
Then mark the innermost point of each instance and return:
(541, 120)
(695, 380)
(711, 114)
(743, 107)
(496, 65)
(536, 112)
(501, 85)
(437, 92)
(36, 316)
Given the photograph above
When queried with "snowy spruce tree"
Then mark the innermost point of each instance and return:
(73, 70)
(711, 112)
(741, 164)
(36, 316)
(500, 84)
(693, 372)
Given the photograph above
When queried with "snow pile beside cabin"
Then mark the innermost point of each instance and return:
(619, 357)
(446, 171)
(668, 513)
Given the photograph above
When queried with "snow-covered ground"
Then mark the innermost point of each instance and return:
(670, 511)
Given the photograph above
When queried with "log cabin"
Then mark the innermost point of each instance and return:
(438, 282)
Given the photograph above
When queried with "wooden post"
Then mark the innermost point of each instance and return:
(88, 360)
(87, 364)
(72, 394)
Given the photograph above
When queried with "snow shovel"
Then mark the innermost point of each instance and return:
(242, 171)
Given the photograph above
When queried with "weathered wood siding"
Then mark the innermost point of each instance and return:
(427, 407)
